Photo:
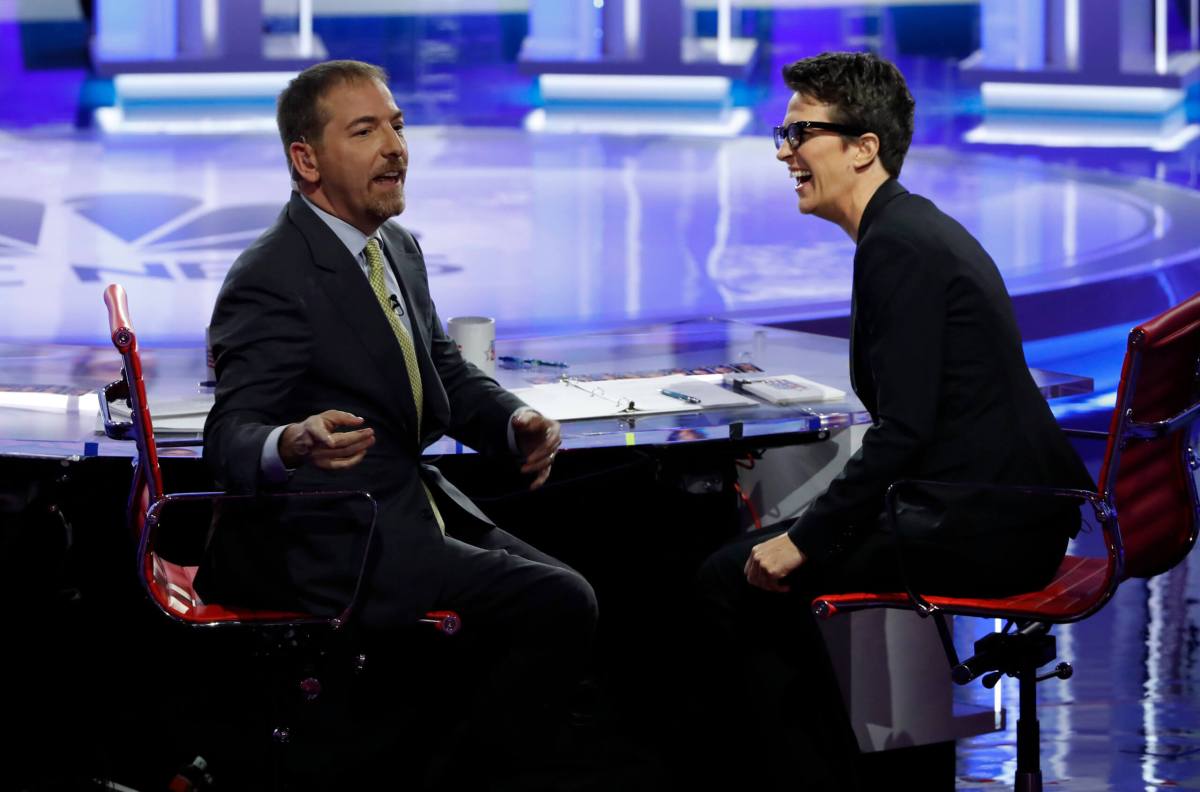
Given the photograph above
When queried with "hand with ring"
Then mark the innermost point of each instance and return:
(538, 439)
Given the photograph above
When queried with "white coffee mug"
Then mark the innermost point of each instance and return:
(476, 340)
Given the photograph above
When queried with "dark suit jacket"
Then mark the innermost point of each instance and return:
(297, 330)
(936, 357)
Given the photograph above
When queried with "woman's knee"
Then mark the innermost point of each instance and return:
(723, 571)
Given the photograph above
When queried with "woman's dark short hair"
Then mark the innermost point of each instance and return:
(863, 91)
(299, 114)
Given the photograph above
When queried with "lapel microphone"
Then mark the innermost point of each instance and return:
(395, 301)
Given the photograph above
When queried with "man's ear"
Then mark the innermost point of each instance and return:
(304, 162)
(866, 150)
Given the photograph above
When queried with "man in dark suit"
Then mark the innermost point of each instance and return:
(936, 358)
(333, 373)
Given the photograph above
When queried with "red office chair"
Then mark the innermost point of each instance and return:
(1147, 507)
(168, 584)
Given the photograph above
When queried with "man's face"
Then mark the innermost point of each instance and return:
(362, 155)
(822, 166)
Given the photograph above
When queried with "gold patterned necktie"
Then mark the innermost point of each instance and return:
(375, 266)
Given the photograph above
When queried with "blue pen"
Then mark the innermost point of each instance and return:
(681, 396)
(516, 361)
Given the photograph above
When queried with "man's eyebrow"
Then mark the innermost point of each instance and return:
(367, 119)
(370, 119)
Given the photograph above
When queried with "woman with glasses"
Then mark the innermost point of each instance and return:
(936, 357)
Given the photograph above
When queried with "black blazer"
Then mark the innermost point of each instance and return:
(936, 357)
(297, 330)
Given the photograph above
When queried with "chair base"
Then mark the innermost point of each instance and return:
(1028, 782)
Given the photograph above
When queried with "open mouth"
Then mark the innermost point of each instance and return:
(388, 178)
(801, 177)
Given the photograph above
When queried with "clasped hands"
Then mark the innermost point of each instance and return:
(337, 440)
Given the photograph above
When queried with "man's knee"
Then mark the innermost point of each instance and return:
(576, 597)
(560, 611)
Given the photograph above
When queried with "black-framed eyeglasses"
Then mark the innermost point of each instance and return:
(796, 132)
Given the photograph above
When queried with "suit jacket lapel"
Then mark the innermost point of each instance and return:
(355, 303)
(853, 333)
(862, 380)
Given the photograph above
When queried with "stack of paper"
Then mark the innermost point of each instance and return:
(784, 389)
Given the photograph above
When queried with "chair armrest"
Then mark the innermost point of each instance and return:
(155, 512)
(1085, 434)
(919, 603)
(123, 430)
(117, 430)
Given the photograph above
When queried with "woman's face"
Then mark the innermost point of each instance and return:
(821, 166)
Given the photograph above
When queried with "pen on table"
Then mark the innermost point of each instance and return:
(681, 396)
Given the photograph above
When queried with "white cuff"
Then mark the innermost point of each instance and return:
(270, 463)
(512, 432)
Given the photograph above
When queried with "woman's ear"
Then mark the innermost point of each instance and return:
(866, 150)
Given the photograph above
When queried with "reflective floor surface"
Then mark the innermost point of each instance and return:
(550, 234)
(1129, 717)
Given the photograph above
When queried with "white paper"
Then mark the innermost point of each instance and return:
(606, 398)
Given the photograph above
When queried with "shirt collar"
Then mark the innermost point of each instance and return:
(883, 195)
(351, 237)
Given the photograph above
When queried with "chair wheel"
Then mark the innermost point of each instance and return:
(445, 622)
(310, 688)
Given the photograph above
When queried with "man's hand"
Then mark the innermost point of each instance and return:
(771, 561)
(538, 439)
(317, 440)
